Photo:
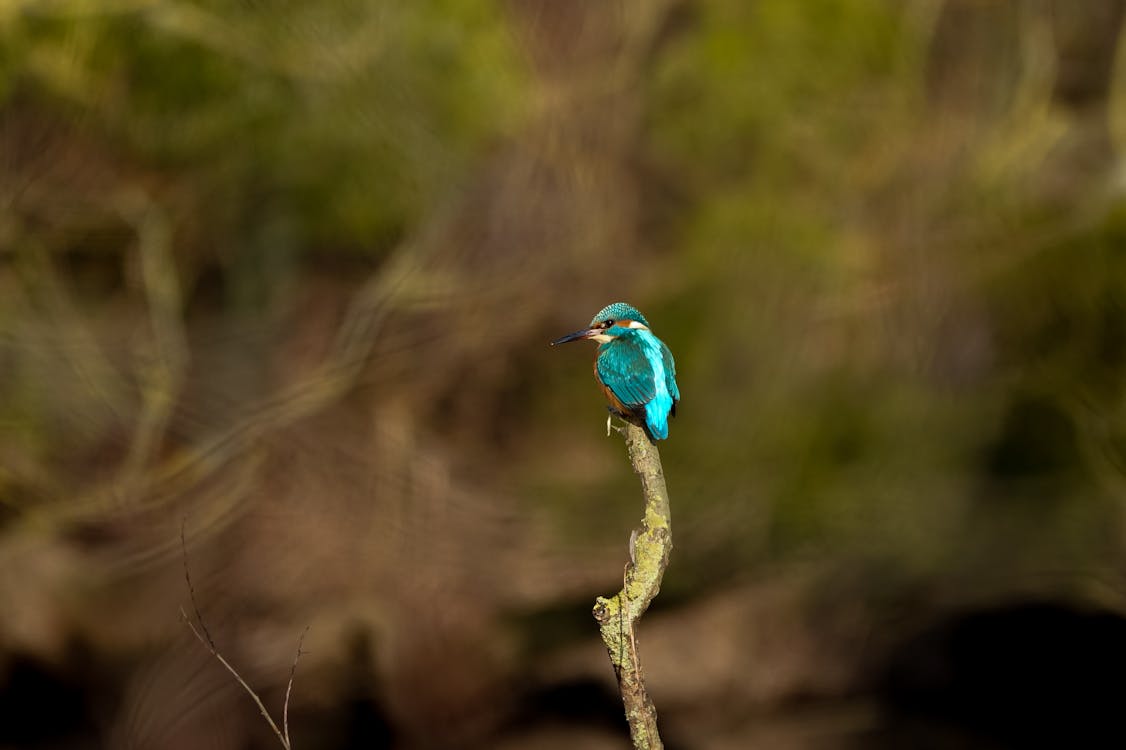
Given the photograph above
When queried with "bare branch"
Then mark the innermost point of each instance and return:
(210, 642)
(238, 677)
(204, 637)
(289, 684)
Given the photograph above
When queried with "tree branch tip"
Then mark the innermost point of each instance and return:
(602, 610)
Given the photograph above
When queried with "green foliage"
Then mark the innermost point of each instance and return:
(777, 90)
(349, 117)
(856, 233)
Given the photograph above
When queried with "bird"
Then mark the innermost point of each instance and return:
(634, 368)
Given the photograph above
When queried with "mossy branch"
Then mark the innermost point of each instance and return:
(617, 616)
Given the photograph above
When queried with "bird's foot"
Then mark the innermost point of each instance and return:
(610, 418)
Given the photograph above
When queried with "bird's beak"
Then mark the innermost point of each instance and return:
(586, 333)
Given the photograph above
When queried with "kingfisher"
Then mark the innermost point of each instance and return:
(634, 368)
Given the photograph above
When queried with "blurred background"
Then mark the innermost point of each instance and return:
(278, 278)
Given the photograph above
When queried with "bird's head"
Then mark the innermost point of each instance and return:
(610, 322)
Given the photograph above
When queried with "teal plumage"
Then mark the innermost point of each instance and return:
(634, 368)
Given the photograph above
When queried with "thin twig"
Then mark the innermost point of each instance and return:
(234, 673)
(289, 684)
(204, 637)
(210, 642)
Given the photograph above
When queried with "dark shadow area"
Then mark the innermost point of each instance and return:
(581, 701)
(1035, 674)
(45, 706)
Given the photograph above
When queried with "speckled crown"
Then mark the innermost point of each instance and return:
(619, 311)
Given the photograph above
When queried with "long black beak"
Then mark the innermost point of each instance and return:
(586, 333)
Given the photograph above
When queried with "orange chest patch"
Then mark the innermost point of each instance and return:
(614, 400)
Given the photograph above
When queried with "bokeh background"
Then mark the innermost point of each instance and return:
(277, 279)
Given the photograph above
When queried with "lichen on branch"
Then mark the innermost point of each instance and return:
(617, 615)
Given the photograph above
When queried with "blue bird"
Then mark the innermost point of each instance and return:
(634, 368)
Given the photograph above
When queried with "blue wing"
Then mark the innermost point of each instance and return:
(626, 371)
(670, 376)
(637, 368)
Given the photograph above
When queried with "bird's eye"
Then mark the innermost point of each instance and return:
(608, 324)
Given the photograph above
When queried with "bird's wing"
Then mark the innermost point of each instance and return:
(670, 372)
(626, 371)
